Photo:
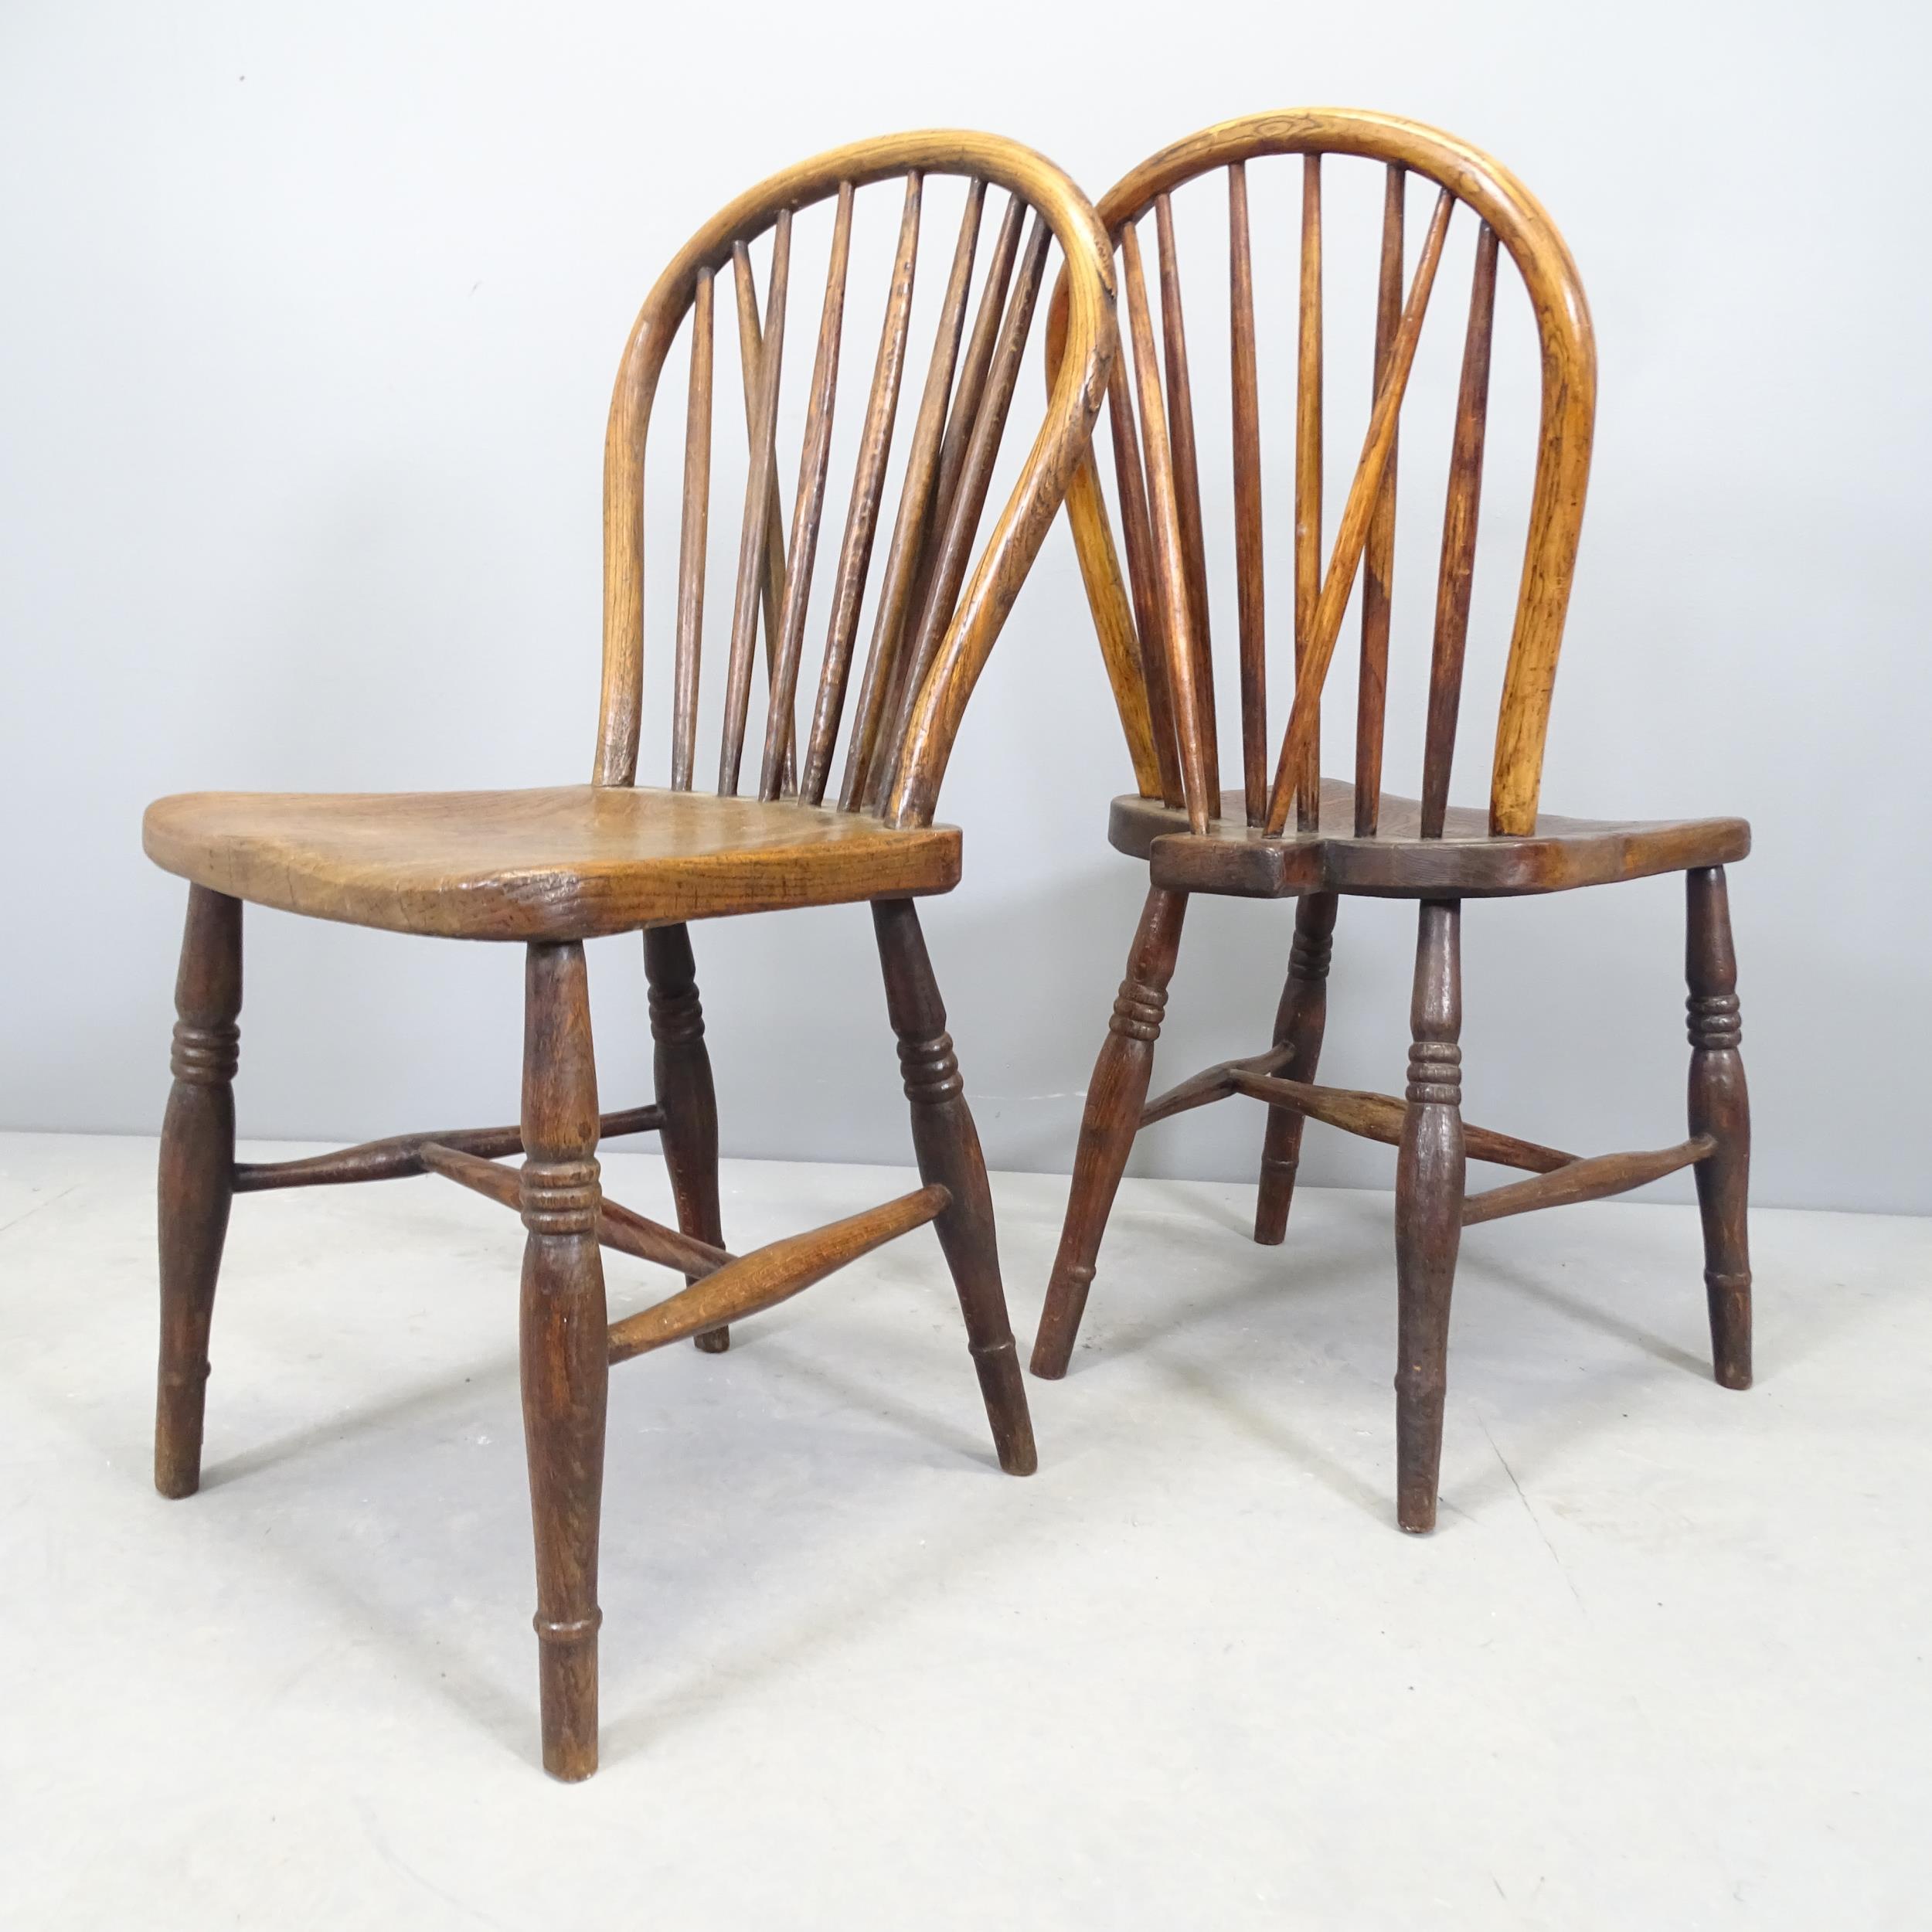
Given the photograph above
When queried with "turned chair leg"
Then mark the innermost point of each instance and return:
(1298, 1023)
(688, 1135)
(947, 1145)
(1720, 1107)
(197, 1177)
(1115, 1095)
(565, 1364)
(1429, 1195)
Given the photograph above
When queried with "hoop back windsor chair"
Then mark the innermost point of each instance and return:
(1349, 836)
(552, 868)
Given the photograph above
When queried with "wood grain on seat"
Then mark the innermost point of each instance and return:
(565, 862)
(1396, 862)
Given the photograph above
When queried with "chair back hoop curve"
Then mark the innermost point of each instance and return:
(937, 620)
(1151, 617)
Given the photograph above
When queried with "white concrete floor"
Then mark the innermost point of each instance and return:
(1663, 1664)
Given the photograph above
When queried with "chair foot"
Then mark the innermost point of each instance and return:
(567, 1693)
(1299, 1020)
(681, 1068)
(196, 1180)
(1419, 1414)
(1066, 1304)
(1276, 1193)
(564, 1348)
(1429, 1195)
(1719, 1105)
(947, 1145)
(1115, 1095)
(1003, 1388)
(1728, 1296)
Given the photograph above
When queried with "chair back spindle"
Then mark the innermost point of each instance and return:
(1187, 478)
(1250, 572)
(1459, 540)
(878, 693)
(692, 547)
(1153, 617)
(942, 595)
(763, 367)
(1378, 561)
(868, 489)
(1169, 571)
(808, 505)
(1308, 474)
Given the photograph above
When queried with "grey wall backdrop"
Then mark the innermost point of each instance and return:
(312, 314)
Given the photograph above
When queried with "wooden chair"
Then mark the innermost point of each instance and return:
(1347, 836)
(552, 868)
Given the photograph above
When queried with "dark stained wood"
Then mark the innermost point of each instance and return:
(1398, 862)
(1108, 597)
(1249, 572)
(197, 1177)
(400, 1155)
(1429, 1191)
(1114, 1097)
(1720, 1109)
(1136, 533)
(952, 551)
(1352, 534)
(692, 540)
(808, 506)
(771, 590)
(618, 1227)
(878, 687)
(1591, 1180)
(562, 1348)
(680, 1070)
(771, 1275)
(771, 584)
(1299, 1020)
(760, 501)
(1212, 1083)
(1381, 1117)
(553, 867)
(1169, 566)
(630, 1233)
(1355, 836)
(1379, 555)
(1308, 464)
(946, 1144)
(1456, 575)
(962, 412)
(868, 489)
(1187, 480)
(1568, 370)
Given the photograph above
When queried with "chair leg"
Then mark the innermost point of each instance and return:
(947, 1145)
(1429, 1195)
(565, 1367)
(682, 1077)
(1720, 1107)
(1298, 1023)
(197, 1177)
(1114, 1098)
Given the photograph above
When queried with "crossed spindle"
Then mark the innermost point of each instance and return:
(967, 397)
(1157, 472)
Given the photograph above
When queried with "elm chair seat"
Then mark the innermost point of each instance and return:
(1463, 861)
(557, 862)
